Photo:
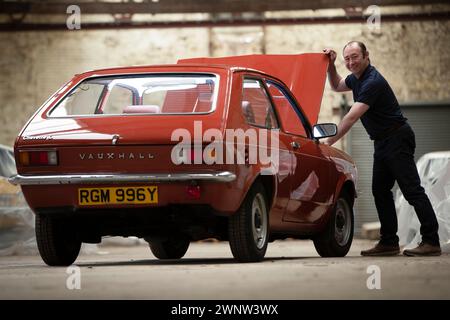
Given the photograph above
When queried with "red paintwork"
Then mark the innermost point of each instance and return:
(304, 74)
(296, 209)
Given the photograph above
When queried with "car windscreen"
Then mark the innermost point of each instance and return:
(149, 94)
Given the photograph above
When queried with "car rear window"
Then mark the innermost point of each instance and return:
(149, 94)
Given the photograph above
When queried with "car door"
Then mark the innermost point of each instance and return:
(310, 195)
(259, 114)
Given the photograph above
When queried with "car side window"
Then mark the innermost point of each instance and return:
(256, 106)
(289, 118)
(81, 101)
(118, 97)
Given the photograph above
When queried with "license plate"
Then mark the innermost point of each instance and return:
(118, 195)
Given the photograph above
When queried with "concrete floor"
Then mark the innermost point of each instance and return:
(291, 271)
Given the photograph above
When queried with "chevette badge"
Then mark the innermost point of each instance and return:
(37, 137)
(114, 155)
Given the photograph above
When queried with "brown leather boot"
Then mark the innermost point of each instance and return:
(382, 250)
(423, 250)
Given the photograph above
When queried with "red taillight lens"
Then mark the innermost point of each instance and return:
(38, 158)
(193, 192)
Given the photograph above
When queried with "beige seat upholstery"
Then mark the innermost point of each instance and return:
(146, 108)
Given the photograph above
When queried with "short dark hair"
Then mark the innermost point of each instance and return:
(361, 45)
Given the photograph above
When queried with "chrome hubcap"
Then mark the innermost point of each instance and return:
(259, 221)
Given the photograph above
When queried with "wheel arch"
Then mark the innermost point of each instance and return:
(270, 186)
(344, 185)
(348, 186)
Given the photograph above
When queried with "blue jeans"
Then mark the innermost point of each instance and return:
(394, 161)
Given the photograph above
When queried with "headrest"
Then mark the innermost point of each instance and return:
(146, 108)
(245, 104)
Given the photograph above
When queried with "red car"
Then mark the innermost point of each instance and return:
(222, 148)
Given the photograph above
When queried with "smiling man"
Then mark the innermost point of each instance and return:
(394, 143)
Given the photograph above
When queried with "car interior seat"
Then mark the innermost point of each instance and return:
(144, 108)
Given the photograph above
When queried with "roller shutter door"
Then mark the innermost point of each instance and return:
(431, 124)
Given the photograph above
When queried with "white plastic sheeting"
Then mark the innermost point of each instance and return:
(434, 172)
(17, 232)
(16, 223)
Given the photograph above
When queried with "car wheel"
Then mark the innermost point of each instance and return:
(337, 237)
(57, 241)
(249, 227)
(170, 248)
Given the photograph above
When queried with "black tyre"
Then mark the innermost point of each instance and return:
(171, 248)
(57, 241)
(337, 237)
(248, 229)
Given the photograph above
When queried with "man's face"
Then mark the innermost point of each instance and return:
(354, 60)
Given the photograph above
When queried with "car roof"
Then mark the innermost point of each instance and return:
(148, 68)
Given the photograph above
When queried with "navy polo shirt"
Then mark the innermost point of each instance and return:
(384, 113)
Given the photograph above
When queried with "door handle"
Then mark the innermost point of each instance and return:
(295, 145)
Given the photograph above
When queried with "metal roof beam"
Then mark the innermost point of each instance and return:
(191, 6)
(14, 27)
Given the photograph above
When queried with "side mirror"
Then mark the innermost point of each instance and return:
(324, 130)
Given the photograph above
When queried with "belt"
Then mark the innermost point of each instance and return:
(390, 131)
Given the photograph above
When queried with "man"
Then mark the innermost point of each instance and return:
(394, 143)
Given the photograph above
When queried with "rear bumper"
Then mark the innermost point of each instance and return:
(224, 176)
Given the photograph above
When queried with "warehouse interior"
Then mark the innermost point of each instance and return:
(44, 43)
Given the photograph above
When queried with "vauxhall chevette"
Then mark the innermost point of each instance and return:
(226, 148)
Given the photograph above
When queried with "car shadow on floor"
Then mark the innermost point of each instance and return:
(185, 261)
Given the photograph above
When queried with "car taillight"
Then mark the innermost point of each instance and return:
(38, 158)
(193, 192)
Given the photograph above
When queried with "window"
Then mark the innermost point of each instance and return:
(82, 100)
(256, 105)
(151, 94)
(287, 111)
(119, 96)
